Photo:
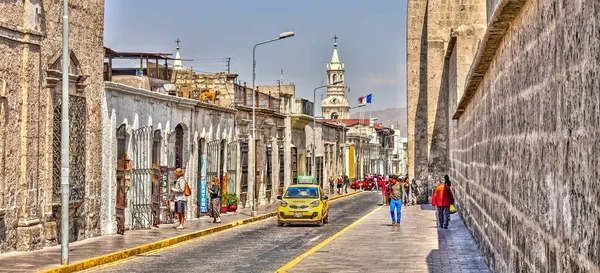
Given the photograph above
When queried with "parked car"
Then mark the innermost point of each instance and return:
(367, 184)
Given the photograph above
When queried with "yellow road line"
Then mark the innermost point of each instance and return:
(298, 259)
(129, 254)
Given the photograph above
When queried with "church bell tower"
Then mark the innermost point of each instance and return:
(335, 106)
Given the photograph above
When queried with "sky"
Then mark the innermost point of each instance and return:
(371, 44)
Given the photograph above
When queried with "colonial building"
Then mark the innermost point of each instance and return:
(30, 111)
(198, 122)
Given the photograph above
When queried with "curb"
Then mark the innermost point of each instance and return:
(123, 254)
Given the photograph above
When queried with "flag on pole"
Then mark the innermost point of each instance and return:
(365, 99)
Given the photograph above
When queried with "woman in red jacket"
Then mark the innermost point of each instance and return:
(442, 199)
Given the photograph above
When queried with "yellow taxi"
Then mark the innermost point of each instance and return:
(303, 203)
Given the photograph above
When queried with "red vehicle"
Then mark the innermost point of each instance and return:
(367, 184)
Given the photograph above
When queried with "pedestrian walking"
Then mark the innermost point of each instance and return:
(406, 192)
(331, 184)
(414, 192)
(375, 183)
(346, 183)
(215, 198)
(340, 184)
(385, 191)
(179, 196)
(396, 193)
(442, 199)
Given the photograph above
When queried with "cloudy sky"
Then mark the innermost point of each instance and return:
(372, 40)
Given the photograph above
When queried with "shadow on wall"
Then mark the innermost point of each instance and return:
(420, 130)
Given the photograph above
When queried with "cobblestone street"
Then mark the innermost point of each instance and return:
(373, 245)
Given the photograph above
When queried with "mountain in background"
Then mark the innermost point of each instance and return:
(386, 117)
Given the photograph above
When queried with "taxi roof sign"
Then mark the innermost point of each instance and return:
(310, 180)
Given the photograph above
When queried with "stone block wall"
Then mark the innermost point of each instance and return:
(524, 154)
(195, 83)
(428, 26)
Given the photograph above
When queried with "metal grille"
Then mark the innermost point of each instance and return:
(178, 146)
(77, 122)
(294, 165)
(268, 176)
(141, 179)
(232, 170)
(319, 170)
(244, 166)
(281, 170)
(212, 158)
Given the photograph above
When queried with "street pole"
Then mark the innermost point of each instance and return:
(64, 140)
(253, 141)
(313, 167)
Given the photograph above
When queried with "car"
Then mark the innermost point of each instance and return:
(367, 184)
(303, 204)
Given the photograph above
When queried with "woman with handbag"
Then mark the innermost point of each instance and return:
(215, 198)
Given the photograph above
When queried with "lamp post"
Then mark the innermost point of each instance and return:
(253, 142)
(313, 168)
(64, 140)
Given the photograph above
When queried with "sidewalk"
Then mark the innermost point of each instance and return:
(373, 245)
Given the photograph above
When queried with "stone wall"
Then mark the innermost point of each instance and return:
(191, 84)
(524, 153)
(30, 75)
(429, 24)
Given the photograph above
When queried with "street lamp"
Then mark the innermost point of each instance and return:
(64, 140)
(253, 142)
(315, 125)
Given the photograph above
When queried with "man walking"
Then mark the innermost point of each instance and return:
(396, 193)
(442, 199)
(179, 196)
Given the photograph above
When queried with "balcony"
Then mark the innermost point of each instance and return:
(243, 97)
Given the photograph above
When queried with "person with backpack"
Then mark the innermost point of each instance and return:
(215, 200)
(414, 192)
(442, 199)
(181, 191)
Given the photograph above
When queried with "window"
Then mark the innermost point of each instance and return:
(268, 178)
(179, 146)
(294, 192)
(244, 161)
(334, 79)
(334, 115)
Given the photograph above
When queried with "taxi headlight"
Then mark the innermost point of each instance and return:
(283, 203)
(315, 203)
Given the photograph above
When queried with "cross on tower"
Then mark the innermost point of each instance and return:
(335, 38)
(177, 44)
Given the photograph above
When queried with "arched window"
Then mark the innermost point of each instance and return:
(334, 115)
(179, 146)
(334, 78)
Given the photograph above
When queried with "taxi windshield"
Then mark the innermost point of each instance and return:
(302, 193)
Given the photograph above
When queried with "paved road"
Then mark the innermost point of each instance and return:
(258, 247)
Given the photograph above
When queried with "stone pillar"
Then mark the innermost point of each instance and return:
(287, 152)
(29, 235)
